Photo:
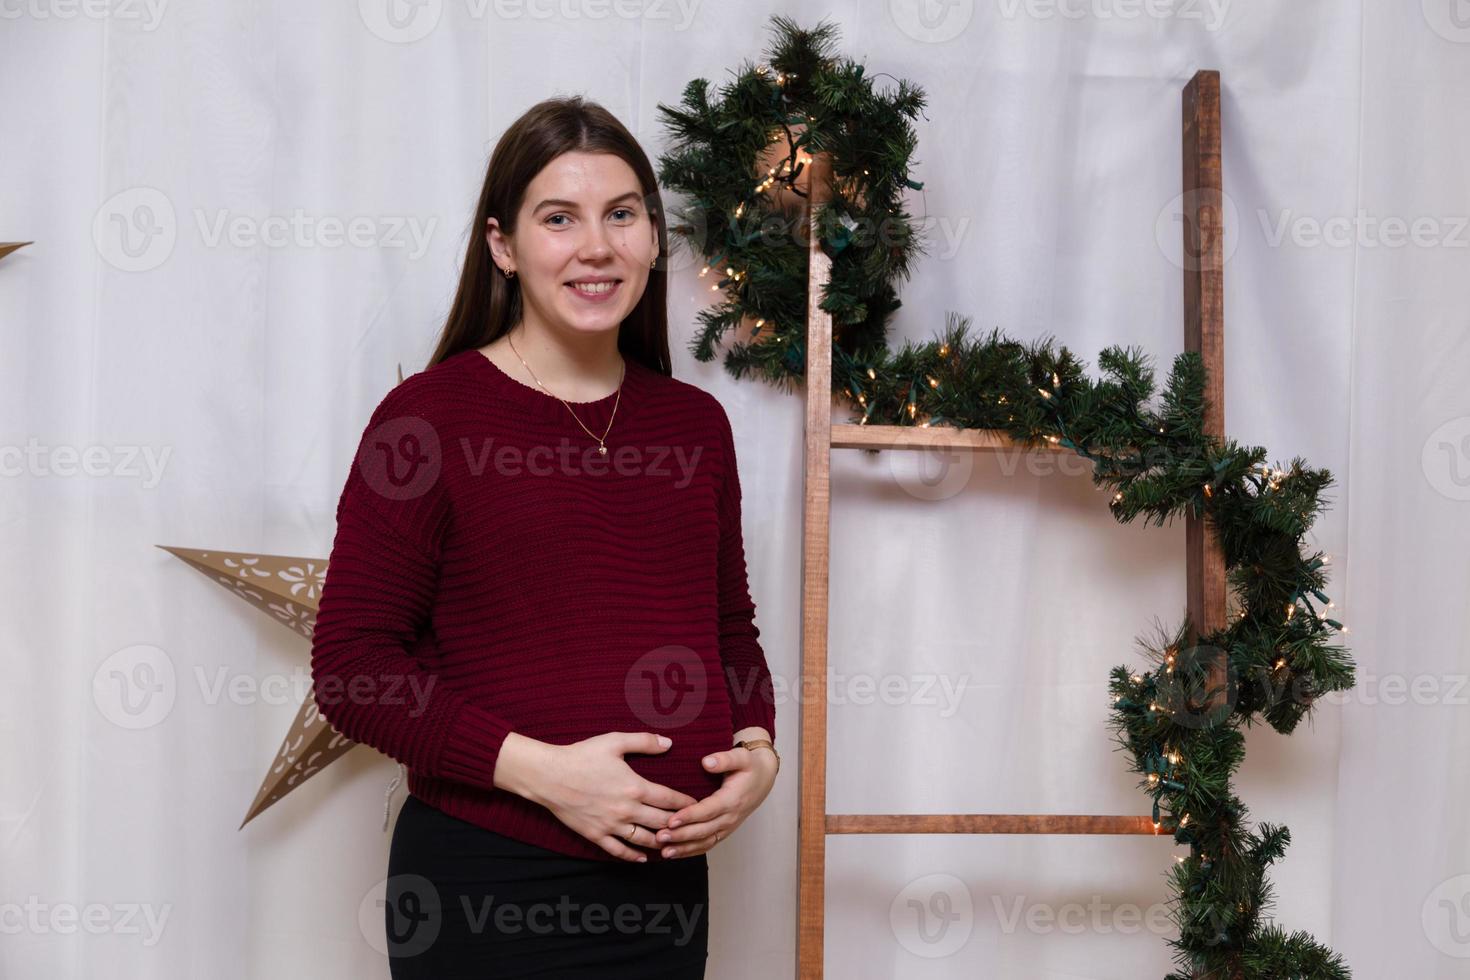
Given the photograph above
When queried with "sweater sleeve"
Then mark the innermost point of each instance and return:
(747, 676)
(373, 629)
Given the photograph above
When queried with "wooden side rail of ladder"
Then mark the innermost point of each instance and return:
(1203, 260)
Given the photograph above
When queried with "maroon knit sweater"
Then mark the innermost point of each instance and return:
(493, 573)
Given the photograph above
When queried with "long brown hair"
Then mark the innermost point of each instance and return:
(487, 305)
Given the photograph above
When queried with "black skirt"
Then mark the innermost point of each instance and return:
(463, 901)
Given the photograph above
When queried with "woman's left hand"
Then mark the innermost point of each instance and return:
(749, 776)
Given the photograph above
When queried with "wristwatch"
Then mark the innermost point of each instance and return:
(760, 743)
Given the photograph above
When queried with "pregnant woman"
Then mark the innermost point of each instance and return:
(537, 601)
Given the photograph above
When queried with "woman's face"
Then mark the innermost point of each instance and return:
(583, 220)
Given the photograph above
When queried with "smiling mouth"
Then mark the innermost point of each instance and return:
(595, 289)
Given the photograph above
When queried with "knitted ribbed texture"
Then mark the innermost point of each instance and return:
(491, 573)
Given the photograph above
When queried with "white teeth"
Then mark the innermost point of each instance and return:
(593, 287)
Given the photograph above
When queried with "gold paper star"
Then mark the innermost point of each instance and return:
(287, 589)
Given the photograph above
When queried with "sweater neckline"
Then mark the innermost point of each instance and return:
(550, 407)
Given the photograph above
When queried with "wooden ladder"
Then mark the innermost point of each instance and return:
(1203, 261)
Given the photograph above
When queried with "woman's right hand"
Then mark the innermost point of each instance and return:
(592, 789)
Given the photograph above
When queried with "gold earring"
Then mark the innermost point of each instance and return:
(509, 273)
(653, 263)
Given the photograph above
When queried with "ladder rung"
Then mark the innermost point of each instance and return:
(989, 823)
(849, 436)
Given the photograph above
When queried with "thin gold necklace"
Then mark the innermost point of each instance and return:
(601, 440)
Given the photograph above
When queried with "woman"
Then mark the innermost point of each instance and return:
(537, 600)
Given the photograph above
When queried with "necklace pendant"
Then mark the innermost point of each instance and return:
(602, 450)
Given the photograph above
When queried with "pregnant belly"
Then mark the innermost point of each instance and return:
(696, 727)
(681, 766)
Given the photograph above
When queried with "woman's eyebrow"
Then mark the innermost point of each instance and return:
(558, 202)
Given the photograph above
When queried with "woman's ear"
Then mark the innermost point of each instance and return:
(499, 244)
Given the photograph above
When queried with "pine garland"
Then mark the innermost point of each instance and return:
(1275, 657)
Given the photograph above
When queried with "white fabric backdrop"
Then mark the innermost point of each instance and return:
(1050, 155)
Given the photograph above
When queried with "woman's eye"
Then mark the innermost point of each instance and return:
(631, 214)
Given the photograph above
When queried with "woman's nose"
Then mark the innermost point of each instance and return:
(596, 244)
